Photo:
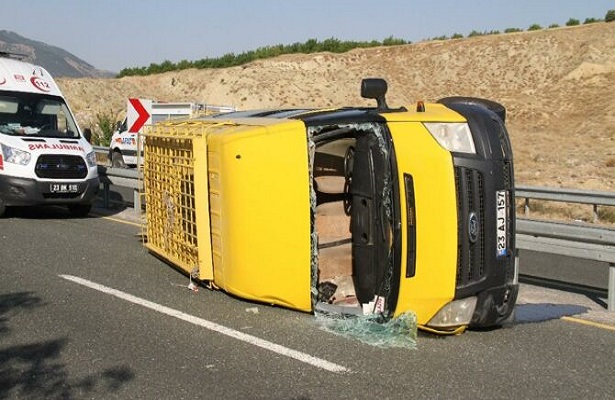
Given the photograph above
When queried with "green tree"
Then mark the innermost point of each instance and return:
(610, 16)
(184, 64)
(332, 45)
(590, 20)
(573, 22)
(167, 66)
(512, 30)
(391, 41)
(534, 27)
(105, 122)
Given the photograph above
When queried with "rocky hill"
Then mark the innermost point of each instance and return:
(57, 61)
(557, 84)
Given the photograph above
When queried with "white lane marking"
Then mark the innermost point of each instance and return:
(212, 326)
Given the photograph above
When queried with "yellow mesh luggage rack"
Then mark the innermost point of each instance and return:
(172, 152)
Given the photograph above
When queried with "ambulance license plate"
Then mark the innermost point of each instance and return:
(501, 206)
(64, 187)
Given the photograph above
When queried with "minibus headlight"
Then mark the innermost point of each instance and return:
(453, 136)
(454, 314)
(91, 158)
(15, 156)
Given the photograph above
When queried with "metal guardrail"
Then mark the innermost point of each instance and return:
(125, 177)
(579, 196)
(101, 149)
(573, 240)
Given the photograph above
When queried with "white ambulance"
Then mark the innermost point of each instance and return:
(44, 158)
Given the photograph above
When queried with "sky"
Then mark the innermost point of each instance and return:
(116, 34)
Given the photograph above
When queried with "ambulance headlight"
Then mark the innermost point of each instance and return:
(453, 136)
(15, 156)
(91, 158)
(454, 314)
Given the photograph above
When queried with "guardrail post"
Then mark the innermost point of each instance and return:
(595, 213)
(137, 202)
(611, 300)
(106, 194)
(526, 207)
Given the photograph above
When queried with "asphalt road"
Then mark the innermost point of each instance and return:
(87, 312)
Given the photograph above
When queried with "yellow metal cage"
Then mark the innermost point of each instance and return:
(173, 151)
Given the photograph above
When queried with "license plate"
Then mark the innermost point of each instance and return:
(501, 206)
(64, 187)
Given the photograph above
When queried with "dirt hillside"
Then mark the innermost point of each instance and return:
(557, 84)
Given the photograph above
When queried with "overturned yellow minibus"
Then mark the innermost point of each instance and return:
(356, 210)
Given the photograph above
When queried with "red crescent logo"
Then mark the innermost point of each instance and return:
(40, 84)
(3, 81)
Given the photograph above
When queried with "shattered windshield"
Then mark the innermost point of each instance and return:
(35, 115)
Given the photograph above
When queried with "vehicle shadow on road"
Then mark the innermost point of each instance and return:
(529, 313)
(114, 203)
(116, 206)
(39, 212)
(592, 293)
(34, 369)
(61, 212)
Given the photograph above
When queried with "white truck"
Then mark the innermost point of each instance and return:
(125, 142)
(44, 157)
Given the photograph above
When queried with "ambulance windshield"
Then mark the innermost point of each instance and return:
(36, 115)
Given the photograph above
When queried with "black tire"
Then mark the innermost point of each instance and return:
(117, 160)
(2, 208)
(79, 210)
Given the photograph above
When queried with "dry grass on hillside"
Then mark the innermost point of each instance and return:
(557, 85)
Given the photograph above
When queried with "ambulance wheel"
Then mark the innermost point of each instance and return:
(117, 160)
(2, 208)
(79, 210)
